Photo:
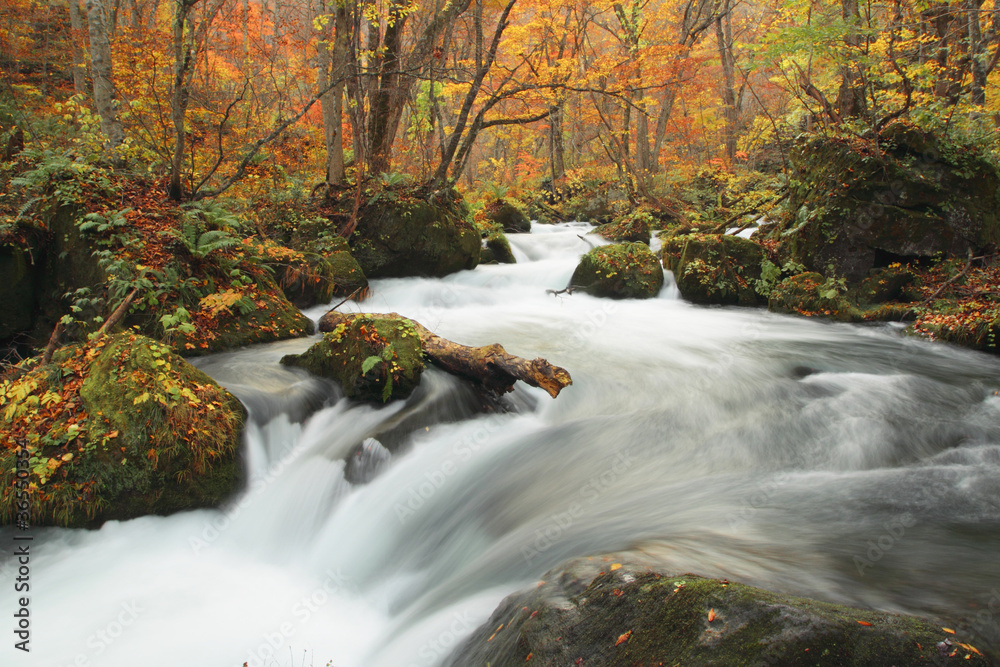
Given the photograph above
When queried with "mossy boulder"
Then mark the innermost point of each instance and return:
(884, 285)
(602, 612)
(373, 357)
(634, 226)
(402, 233)
(496, 247)
(715, 269)
(506, 215)
(118, 428)
(317, 276)
(235, 318)
(624, 271)
(810, 294)
(854, 208)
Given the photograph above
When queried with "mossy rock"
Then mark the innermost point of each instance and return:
(400, 233)
(318, 278)
(632, 227)
(852, 208)
(504, 214)
(230, 319)
(373, 357)
(810, 294)
(715, 268)
(624, 271)
(883, 285)
(119, 428)
(496, 247)
(598, 612)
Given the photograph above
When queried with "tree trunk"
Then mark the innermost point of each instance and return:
(557, 148)
(101, 70)
(180, 94)
(850, 102)
(331, 63)
(79, 61)
(489, 365)
(723, 37)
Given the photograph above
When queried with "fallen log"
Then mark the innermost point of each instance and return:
(490, 365)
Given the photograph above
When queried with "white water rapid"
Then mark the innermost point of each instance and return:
(835, 461)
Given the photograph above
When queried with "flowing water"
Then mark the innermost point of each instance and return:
(835, 461)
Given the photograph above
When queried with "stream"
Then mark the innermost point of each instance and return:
(847, 463)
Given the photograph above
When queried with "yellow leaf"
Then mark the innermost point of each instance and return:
(615, 566)
(949, 631)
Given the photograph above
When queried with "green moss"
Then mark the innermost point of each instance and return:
(372, 357)
(502, 213)
(402, 234)
(713, 268)
(849, 203)
(126, 428)
(321, 277)
(634, 226)
(626, 271)
(635, 616)
(811, 294)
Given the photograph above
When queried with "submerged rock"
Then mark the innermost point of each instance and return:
(625, 271)
(373, 357)
(400, 233)
(715, 269)
(119, 428)
(601, 612)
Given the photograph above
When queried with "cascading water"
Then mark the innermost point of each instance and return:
(835, 461)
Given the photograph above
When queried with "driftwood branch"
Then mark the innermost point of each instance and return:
(490, 365)
(118, 313)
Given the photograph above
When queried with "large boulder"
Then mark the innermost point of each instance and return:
(854, 208)
(810, 294)
(318, 274)
(601, 612)
(625, 271)
(634, 226)
(400, 233)
(118, 428)
(233, 318)
(374, 358)
(716, 269)
(506, 215)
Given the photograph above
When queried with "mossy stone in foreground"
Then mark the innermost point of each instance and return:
(626, 271)
(633, 615)
(120, 428)
(715, 268)
(374, 358)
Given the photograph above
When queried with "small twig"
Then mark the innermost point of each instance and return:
(748, 211)
(587, 241)
(568, 290)
(349, 298)
(53, 343)
(968, 263)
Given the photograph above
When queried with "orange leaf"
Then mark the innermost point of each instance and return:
(623, 638)
(949, 631)
(711, 615)
(865, 623)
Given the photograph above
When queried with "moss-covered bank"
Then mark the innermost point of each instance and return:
(633, 615)
(117, 428)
